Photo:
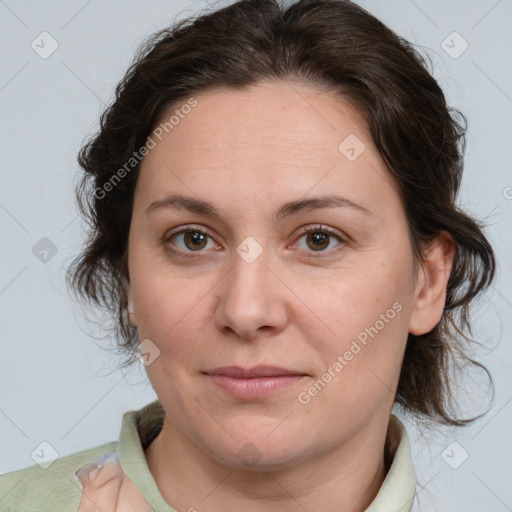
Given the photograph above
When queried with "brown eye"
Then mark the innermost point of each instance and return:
(319, 238)
(190, 240)
(195, 240)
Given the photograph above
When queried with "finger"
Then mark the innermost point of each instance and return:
(101, 482)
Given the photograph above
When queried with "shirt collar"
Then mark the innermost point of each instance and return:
(139, 428)
(396, 493)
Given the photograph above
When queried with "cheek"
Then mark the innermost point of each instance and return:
(367, 313)
(168, 307)
(363, 303)
(171, 314)
(361, 361)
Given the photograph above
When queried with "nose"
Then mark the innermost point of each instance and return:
(251, 300)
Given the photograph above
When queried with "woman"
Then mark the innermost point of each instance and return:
(273, 222)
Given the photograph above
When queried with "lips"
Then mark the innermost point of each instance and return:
(254, 383)
(237, 372)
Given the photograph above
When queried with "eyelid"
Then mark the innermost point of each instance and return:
(185, 228)
(321, 227)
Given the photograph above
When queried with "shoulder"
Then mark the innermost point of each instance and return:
(53, 489)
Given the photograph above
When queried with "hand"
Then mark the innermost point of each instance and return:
(107, 488)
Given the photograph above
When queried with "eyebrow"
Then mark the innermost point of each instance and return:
(194, 205)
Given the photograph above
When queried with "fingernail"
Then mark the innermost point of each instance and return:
(93, 468)
(82, 471)
(95, 472)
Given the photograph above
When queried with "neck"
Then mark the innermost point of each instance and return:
(349, 476)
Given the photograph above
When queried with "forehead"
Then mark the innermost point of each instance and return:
(282, 116)
(273, 139)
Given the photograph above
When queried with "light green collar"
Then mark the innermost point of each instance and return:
(140, 427)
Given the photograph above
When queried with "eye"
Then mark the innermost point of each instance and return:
(190, 239)
(318, 238)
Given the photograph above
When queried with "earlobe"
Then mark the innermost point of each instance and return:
(432, 280)
(131, 313)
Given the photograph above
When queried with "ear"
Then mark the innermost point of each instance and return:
(432, 279)
(131, 313)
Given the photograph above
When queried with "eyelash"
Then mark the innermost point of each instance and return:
(313, 229)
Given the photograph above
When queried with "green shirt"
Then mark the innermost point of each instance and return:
(58, 489)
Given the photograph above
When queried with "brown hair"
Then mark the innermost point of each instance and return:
(334, 45)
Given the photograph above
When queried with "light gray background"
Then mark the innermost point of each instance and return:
(57, 384)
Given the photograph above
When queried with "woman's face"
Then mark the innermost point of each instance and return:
(246, 287)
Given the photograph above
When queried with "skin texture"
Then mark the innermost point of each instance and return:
(248, 152)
